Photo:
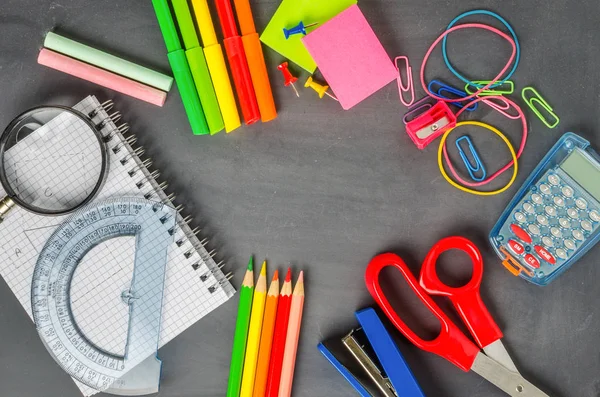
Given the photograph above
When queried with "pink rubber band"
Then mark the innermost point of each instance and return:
(507, 166)
(460, 27)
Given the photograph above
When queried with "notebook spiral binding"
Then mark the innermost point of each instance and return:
(195, 252)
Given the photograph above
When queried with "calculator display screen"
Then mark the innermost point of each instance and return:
(584, 172)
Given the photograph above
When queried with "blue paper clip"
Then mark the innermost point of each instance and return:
(388, 354)
(448, 89)
(478, 167)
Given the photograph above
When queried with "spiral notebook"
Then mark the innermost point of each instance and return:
(195, 284)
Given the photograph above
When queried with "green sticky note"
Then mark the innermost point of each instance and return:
(288, 15)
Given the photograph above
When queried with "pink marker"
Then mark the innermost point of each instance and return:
(101, 77)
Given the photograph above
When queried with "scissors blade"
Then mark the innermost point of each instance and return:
(497, 352)
(512, 383)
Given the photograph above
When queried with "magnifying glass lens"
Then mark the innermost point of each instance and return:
(53, 160)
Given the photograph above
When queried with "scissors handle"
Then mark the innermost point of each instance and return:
(466, 299)
(450, 344)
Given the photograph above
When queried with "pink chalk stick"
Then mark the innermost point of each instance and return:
(101, 77)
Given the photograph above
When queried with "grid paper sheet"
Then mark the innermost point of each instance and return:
(194, 284)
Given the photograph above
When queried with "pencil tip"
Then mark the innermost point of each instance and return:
(276, 275)
(301, 277)
(251, 263)
(288, 276)
(263, 270)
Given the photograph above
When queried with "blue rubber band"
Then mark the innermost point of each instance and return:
(505, 23)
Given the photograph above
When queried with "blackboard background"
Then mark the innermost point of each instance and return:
(326, 190)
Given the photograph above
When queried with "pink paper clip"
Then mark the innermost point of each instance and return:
(409, 87)
(491, 102)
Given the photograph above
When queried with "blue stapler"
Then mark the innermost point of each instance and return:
(370, 361)
(392, 361)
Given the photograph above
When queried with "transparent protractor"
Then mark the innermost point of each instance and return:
(152, 225)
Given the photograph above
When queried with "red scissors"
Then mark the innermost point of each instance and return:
(495, 365)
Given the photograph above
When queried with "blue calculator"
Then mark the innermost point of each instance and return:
(554, 219)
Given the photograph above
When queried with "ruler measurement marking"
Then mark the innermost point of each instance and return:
(53, 273)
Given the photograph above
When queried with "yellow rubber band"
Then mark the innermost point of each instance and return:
(472, 191)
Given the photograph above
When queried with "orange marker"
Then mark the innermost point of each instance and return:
(256, 61)
(291, 340)
(266, 338)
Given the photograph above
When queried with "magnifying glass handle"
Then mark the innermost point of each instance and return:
(6, 205)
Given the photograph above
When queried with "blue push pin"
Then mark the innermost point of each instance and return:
(298, 29)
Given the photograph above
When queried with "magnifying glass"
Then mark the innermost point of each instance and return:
(53, 161)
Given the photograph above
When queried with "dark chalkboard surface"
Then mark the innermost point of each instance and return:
(327, 189)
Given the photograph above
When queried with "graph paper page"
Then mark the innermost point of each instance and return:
(194, 284)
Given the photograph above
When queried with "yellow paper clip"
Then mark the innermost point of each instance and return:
(550, 122)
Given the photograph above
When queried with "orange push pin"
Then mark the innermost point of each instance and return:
(320, 89)
(289, 79)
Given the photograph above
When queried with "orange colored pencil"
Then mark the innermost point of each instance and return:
(266, 338)
(291, 340)
(281, 326)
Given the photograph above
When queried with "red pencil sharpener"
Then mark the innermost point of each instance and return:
(431, 121)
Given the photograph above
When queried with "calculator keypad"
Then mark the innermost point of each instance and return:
(568, 191)
(534, 229)
(578, 234)
(581, 204)
(551, 223)
(559, 201)
(562, 254)
(570, 244)
(587, 226)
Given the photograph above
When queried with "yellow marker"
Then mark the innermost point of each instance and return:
(216, 65)
(320, 89)
(253, 344)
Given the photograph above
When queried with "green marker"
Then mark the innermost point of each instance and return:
(198, 66)
(181, 68)
(241, 333)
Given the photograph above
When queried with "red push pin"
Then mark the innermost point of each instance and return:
(288, 77)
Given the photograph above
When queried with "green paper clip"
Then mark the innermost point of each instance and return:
(508, 87)
(537, 98)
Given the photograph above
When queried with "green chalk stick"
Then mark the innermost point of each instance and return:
(108, 62)
(189, 96)
(206, 91)
(167, 25)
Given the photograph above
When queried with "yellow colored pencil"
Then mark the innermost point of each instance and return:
(256, 321)
(266, 338)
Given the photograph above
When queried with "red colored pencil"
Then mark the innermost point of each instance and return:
(281, 325)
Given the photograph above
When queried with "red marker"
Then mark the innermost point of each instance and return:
(289, 79)
(238, 62)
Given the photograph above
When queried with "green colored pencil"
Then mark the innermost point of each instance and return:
(241, 333)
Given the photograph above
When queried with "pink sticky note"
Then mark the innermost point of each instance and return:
(350, 57)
